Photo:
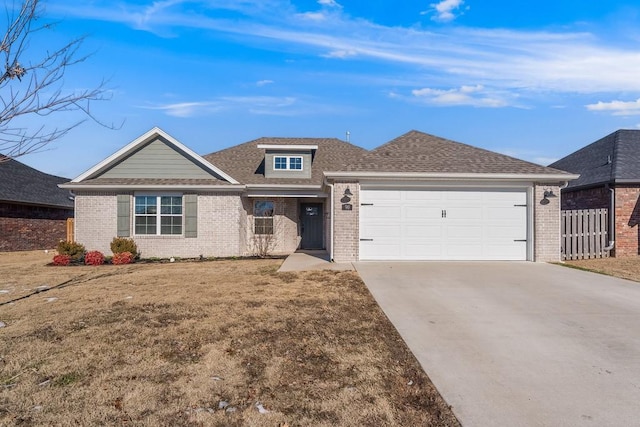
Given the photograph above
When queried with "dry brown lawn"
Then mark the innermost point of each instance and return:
(202, 343)
(625, 268)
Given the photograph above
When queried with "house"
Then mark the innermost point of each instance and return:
(418, 197)
(609, 178)
(33, 210)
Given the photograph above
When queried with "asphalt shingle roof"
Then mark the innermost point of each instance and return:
(420, 152)
(613, 158)
(150, 181)
(23, 184)
(244, 162)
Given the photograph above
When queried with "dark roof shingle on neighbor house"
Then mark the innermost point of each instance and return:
(423, 153)
(612, 159)
(245, 162)
(22, 184)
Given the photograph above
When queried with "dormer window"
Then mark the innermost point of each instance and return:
(287, 163)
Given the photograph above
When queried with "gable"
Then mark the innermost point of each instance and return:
(152, 157)
(158, 158)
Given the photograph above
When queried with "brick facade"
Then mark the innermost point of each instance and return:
(219, 219)
(627, 218)
(346, 232)
(25, 227)
(546, 224)
(588, 198)
(626, 214)
(286, 230)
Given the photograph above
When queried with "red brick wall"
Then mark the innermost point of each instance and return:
(24, 228)
(627, 234)
(590, 198)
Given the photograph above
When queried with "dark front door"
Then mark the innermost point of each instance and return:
(311, 220)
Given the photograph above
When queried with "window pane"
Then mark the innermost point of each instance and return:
(145, 225)
(171, 205)
(263, 226)
(145, 205)
(171, 225)
(280, 163)
(295, 163)
(263, 208)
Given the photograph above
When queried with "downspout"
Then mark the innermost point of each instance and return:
(330, 220)
(612, 218)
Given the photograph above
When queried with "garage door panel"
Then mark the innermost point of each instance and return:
(418, 196)
(380, 195)
(410, 225)
(512, 213)
(422, 212)
(416, 231)
(466, 213)
(382, 231)
(382, 212)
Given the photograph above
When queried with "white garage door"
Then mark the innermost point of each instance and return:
(443, 225)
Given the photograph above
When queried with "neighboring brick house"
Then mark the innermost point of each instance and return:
(609, 178)
(416, 197)
(33, 210)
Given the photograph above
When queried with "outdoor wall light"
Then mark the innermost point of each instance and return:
(348, 192)
(547, 195)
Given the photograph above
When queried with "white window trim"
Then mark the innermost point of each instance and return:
(288, 168)
(157, 195)
(272, 217)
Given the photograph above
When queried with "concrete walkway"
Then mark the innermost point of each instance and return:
(305, 260)
(519, 343)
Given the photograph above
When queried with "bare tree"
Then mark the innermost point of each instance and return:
(34, 86)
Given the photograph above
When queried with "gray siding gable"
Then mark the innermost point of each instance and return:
(158, 159)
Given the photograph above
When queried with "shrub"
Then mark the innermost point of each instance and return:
(123, 244)
(94, 258)
(73, 249)
(61, 260)
(122, 258)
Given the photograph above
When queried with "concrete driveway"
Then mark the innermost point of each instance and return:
(519, 343)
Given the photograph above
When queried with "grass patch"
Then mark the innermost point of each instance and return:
(202, 344)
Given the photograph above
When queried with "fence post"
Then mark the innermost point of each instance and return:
(70, 234)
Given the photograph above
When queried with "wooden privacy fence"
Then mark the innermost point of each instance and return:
(70, 235)
(584, 233)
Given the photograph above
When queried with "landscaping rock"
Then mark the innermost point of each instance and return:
(2, 324)
(223, 404)
(261, 409)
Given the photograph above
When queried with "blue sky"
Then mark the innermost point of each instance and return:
(536, 80)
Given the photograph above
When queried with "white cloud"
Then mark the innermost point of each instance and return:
(313, 16)
(617, 108)
(261, 83)
(517, 61)
(329, 3)
(186, 109)
(252, 104)
(340, 54)
(475, 96)
(445, 10)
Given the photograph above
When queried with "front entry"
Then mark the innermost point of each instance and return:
(312, 226)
